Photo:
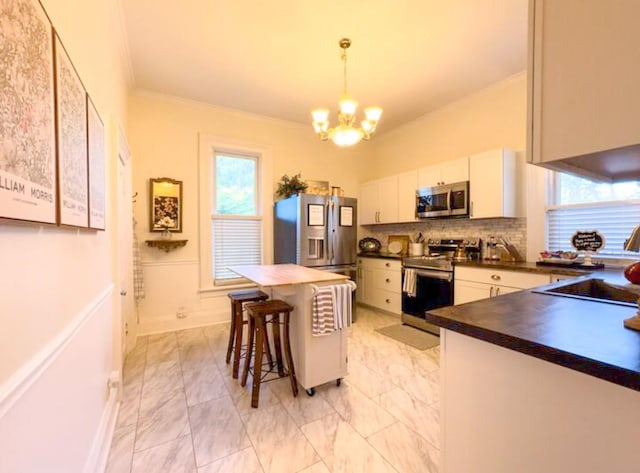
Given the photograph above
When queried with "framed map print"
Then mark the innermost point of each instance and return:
(71, 118)
(27, 113)
(96, 143)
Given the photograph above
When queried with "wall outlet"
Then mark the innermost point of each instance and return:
(182, 312)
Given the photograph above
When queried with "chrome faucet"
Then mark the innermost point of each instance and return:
(633, 242)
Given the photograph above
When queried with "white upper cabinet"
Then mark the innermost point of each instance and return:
(455, 170)
(407, 186)
(583, 80)
(368, 203)
(389, 200)
(429, 176)
(493, 184)
(378, 202)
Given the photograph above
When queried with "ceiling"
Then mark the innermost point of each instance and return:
(281, 58)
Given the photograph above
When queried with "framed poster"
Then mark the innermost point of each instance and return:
(71, 121)
(27, 114)
(346, 216)
(315, 215)
(97, 207)
(165, 205)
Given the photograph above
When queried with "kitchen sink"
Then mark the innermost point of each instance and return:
(595, 290)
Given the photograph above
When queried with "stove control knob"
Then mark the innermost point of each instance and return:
(465, 242)
(431, 242)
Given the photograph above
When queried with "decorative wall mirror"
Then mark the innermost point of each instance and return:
(165, 205)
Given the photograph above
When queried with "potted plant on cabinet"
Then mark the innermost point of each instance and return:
(289, 186)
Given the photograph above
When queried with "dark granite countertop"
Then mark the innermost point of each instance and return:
(381, 254)
(523, 267)
(581, 335)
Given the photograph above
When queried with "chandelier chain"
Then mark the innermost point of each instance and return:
(344, 59)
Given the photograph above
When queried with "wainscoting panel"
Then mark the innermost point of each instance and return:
(56, 412)
(172, 291)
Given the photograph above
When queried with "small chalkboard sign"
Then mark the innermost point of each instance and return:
(591, 240)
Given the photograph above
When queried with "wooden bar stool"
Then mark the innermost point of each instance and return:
(238, 299)
(261, 314)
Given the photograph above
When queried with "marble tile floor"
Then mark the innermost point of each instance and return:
(182, 412)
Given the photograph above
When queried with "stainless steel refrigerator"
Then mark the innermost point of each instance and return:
(317, 231)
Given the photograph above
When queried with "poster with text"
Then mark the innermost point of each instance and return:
(27, 113)
(96, 168)
(71, 103)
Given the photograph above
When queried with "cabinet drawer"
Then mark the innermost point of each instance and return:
(515, 279)
(388, 280)
(380, 263)
(386, 300)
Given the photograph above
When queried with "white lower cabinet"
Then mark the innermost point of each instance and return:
(380, 283)
(473, 284)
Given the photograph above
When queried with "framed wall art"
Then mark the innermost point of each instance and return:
(27, 114)
(71, 120)
(165, 205)
(97, 206)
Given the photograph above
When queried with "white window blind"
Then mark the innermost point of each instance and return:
(614, 220)
(236, 241)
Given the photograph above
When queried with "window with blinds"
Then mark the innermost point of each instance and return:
(236, 225)
(581, 204)
(236, 241)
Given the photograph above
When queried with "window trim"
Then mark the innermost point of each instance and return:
(551, 203)
(208, 145)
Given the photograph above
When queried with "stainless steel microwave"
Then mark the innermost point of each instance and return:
(449, 200)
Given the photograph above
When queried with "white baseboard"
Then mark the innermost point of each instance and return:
(97, 460)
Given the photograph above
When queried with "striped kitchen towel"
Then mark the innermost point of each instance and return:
(322, 313)
(409, 283)
(341, 305)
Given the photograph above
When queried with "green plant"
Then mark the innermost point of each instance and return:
(289, 186)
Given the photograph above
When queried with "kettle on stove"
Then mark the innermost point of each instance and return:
(460, 254)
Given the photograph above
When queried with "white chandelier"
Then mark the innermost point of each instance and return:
(345, 134)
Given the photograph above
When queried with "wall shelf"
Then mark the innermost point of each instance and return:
(166, 245)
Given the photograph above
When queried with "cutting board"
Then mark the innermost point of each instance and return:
(404, 240)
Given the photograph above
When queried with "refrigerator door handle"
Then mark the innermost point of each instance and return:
(329, 236)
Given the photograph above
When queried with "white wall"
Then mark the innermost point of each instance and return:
(51, 279)
(494, 117)
(163, 134)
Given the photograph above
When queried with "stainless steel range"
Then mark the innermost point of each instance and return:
(427, 281)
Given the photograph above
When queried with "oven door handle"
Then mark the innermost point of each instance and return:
(434, 274)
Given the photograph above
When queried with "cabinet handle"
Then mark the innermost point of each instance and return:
(497, 291)
(490, 291)
(387, 265)
(495, 277)
(387, 301)
(387, 280)
(471, 209)
(377, 216)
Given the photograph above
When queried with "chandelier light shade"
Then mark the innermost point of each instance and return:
(345, 133)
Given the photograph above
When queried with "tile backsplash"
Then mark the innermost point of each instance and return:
(514, 229)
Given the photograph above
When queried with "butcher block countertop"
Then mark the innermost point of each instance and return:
(269, 275)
